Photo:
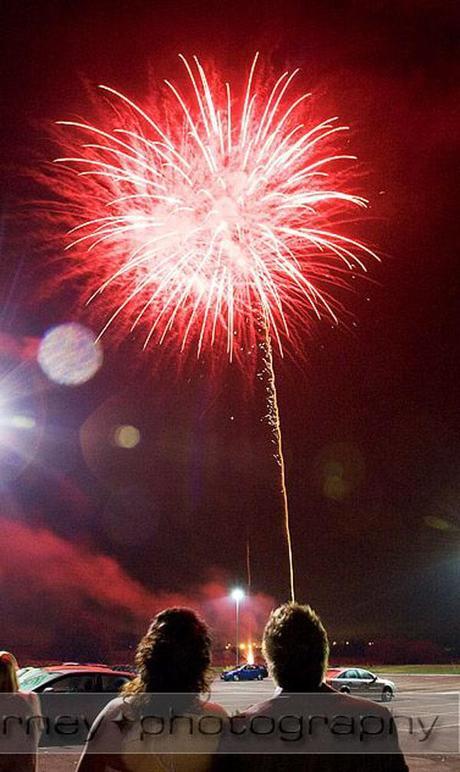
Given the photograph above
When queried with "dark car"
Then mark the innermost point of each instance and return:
(356, 680)
(76, 692)
(245, 673)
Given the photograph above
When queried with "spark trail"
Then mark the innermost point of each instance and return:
(275, 426)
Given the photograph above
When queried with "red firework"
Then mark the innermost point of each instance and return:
(205, 216)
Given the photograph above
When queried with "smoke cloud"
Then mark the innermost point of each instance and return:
(63, 601)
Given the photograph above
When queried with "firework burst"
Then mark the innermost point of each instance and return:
(199, 224)
(213, 222)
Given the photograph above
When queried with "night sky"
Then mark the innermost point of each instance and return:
(370, 417)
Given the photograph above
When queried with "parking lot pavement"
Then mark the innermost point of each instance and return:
(57, 763)
(434, 764)
(66, 763)
(415, 693)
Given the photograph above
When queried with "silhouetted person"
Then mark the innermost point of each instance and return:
(20, 731)
(154, 715)
(307, 726)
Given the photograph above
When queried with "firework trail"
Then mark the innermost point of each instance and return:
(275, 425)
(248, 561)
(201, 214)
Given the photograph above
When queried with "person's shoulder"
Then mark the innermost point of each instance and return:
(33, 699)
(109, 720)
(361, 705)
(213, 709)
(27, 696)
(259, 709)
(117, 702)
(29, 700)
(114, 709)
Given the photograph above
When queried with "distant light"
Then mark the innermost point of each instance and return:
(237, 594)
(69, 354)
(334, 643)
(22, 422)
(127, 436)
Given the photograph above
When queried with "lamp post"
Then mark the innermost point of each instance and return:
(238, 595)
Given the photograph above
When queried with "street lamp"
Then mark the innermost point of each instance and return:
(237, 595)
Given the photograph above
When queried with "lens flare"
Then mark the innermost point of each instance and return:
(22, 417)
(69, 354)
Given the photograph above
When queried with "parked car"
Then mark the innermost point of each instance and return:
(363, 682)
(78, 692)
(245, 673)
(71, 677)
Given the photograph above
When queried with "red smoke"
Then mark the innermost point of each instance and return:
(62, 601)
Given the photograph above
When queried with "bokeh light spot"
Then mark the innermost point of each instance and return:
(440, 523)
(340, 469)
(127, 436)
(23, 422)
(69, 354)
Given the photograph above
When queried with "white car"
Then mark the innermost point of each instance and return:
(358, 681)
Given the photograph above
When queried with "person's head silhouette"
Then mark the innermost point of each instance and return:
(8, 672)
(296, 648)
